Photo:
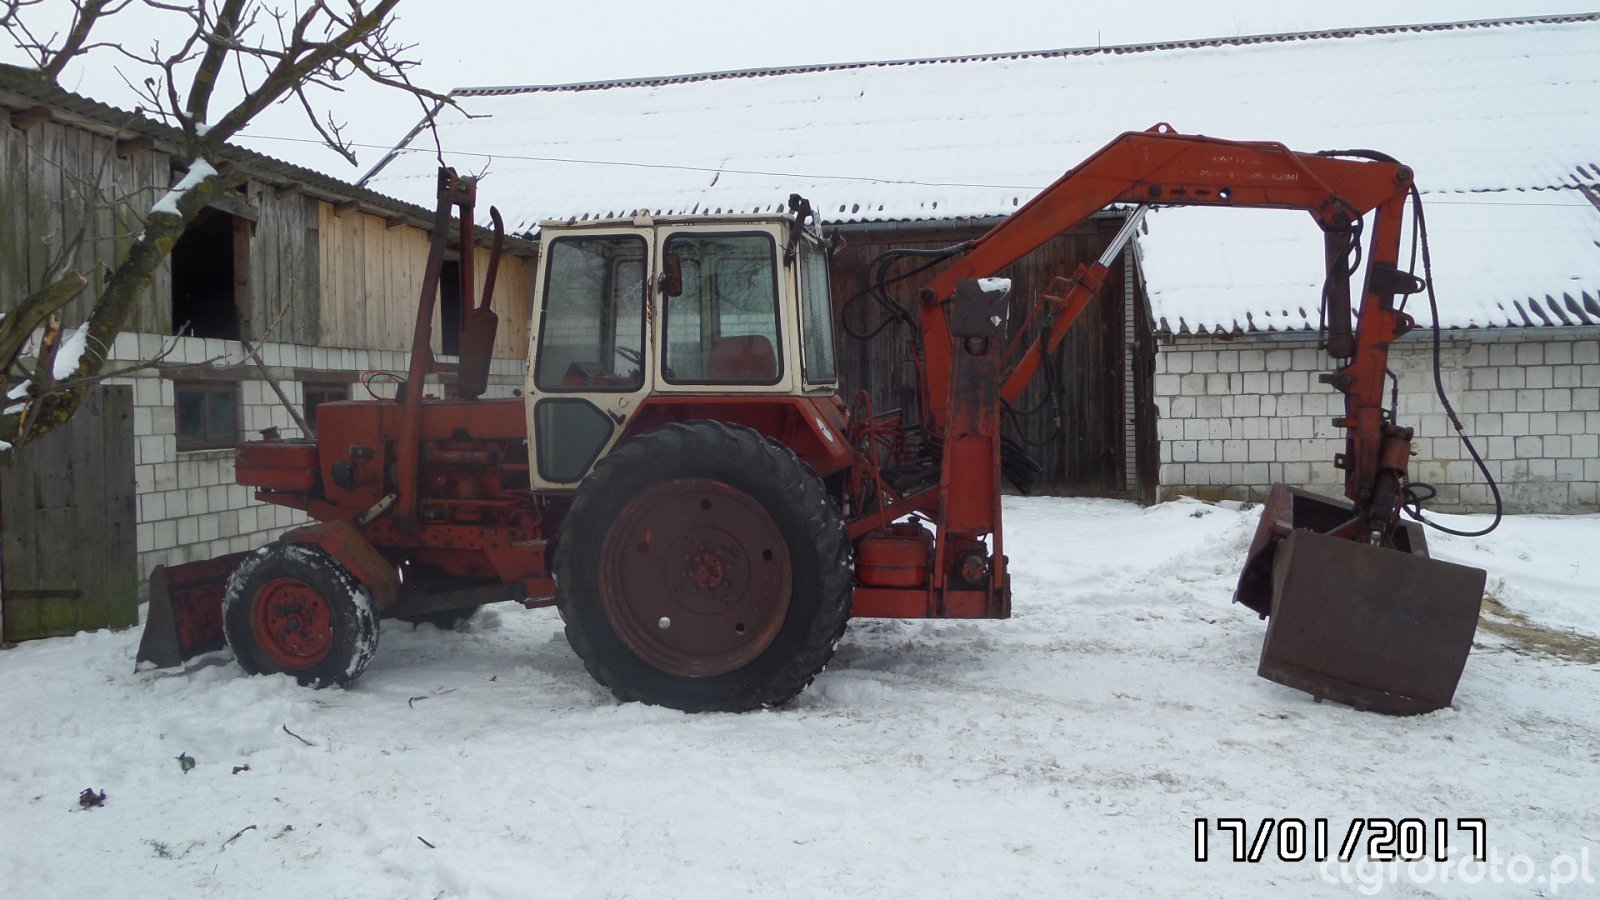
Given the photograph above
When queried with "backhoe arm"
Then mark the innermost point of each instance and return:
(1359, 612)
(1160, 166)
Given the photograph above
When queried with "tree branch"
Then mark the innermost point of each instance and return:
(301, 60)
(225, 30)
(330, 133)
(312, 44)
(19, 324)
(83, 21)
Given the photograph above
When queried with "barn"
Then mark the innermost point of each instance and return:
(1195, 370)
(319, 276)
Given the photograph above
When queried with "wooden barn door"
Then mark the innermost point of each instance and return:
(67, 541)
(1090, 451)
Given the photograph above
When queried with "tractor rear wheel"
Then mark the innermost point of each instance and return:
(290, 608)
(703, 567)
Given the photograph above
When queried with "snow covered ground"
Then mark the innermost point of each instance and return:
(1067, 751)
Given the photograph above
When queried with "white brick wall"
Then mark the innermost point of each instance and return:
(1237, 416)
(188, 505)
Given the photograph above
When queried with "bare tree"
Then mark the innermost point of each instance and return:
(244, 49)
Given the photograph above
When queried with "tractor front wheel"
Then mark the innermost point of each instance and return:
(291, 608)
(703, 567)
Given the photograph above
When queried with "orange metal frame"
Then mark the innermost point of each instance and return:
(1154, 167)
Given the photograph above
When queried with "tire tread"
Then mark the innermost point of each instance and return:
(748, 452)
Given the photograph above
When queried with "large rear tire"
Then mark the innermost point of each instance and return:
(703, 567)
(291, 608)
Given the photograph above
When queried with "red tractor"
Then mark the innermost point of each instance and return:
(682, 480)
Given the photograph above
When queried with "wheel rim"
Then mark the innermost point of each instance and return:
(695, 577)
(293, 624)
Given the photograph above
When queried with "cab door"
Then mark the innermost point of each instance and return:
(724, 312)
(591, 349)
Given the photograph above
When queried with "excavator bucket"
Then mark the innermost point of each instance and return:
(1381, 629)
(185, 616)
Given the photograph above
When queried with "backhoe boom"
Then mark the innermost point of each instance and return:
(1162, 167)
(1360, 614)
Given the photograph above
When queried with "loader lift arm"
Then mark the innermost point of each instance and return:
(1162, 167)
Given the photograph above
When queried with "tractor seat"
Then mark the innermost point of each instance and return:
(745, 357)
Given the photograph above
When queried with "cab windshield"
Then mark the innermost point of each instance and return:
(593, 327)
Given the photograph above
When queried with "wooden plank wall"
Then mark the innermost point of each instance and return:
(1086, 457)
(371, 280)
(281, 303)
(67, 539)
(14, 282)
(313, 277)
(59, 185)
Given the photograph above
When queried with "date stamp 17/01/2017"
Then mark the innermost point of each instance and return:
(1379, 840)
(1372, 853)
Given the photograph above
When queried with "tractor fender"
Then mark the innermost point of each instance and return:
(340, 540)
(815, 428)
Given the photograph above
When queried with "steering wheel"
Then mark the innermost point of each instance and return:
(636, 358)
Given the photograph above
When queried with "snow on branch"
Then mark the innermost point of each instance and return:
(199, 171)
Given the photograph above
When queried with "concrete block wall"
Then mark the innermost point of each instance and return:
(1238, 415)
(189, 507)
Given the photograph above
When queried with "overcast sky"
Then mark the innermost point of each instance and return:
(513, 42)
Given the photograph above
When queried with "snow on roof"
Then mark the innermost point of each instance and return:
(1501, 121)
(1515, 259)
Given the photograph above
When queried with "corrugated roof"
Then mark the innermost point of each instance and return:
(1483, 111)
(1512, 259)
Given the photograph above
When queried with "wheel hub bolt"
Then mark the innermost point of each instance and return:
(707, 569)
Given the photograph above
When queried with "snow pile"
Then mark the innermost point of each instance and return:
(1068, 749)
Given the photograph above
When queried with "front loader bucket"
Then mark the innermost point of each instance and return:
(1380, 629)
(185, 617)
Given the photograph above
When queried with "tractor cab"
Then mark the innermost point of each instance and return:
(645, 320)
